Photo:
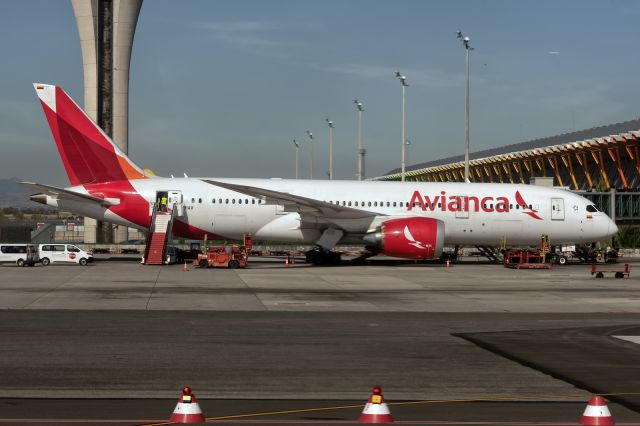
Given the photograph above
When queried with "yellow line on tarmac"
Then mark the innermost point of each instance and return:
(302, 410)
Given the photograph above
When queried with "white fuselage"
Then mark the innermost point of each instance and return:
(473, 213)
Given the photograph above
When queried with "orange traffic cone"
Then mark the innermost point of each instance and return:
(597, 413)
(188, 410)
(185, 268)
(376, 410)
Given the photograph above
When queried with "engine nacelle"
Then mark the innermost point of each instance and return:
(410, 238)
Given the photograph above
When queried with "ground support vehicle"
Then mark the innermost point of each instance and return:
(599, 271)
(20, 254)
(231, 257)
(63, 253)
(583, 254)
(525, 259)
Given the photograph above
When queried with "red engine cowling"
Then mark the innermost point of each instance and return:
(411, 238)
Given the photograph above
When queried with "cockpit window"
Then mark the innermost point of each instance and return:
(591, 208)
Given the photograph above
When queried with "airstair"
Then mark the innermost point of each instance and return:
(492, 253)
(159, 236)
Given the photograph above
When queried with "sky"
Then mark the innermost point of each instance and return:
(222, 87)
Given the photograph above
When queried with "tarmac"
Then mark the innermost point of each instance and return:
(480, 339)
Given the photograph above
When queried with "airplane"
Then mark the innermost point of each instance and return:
(413, 220)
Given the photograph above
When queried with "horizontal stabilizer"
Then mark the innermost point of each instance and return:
(65, 194)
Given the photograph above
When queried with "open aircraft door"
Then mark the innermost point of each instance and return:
(175, 198)
(557, 209)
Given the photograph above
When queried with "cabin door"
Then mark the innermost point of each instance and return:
(557, 209)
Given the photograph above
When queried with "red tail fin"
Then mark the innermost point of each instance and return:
(88, 155)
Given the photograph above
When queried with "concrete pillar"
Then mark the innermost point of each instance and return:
(86, 18)
(125, 17)
(106, 62)
(612, 214)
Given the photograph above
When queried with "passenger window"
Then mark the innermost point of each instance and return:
(193, 200)
(394, 204)
(253, 201)
(200, 200)
(356, 204)
(369, 203)
(213, 201)
(388, 204)
(226, 201)
(233, 201)
(349, 203)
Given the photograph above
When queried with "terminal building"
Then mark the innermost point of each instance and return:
(603, 163)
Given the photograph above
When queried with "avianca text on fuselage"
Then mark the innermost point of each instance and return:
(459, 203)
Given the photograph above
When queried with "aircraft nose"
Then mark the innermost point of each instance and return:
(613, 228)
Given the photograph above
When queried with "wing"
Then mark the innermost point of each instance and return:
(297, 203)
(65, 194)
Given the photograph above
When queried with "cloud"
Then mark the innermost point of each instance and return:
(553, 52)
(244, 33)
(236, 27)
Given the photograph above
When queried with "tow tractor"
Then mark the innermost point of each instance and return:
(231, 257)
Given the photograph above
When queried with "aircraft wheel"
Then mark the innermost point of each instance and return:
(334, 258)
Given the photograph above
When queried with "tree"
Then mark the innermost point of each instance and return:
(628, 236)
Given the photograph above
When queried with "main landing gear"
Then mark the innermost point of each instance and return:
(323, 257)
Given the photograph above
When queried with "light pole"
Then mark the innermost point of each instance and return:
(467, 48)
(297, 145)
(310, 154)
(361, 151)
(407, 144)
(403, 82)
(331, 127)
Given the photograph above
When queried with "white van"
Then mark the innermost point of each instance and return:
(50, 253)
(20, 254)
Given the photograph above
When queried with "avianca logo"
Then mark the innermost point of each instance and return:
(531, 212)
(413, 241)
(456, 203)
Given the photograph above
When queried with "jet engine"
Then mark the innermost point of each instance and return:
(410, 238)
